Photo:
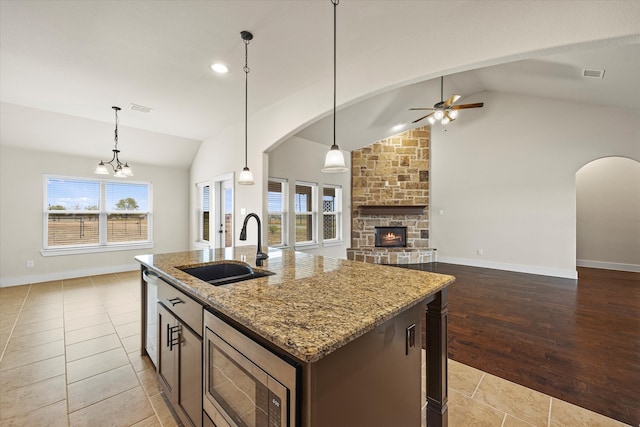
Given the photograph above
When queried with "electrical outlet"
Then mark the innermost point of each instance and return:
(243, 211)
(410, 341)
(480, 252)
(30, 263)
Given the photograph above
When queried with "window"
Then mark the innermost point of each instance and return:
(332, 212)
(91, 213)
(305, 208)
(276, 211)
(203, 212)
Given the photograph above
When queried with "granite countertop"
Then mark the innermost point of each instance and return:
(312, 305)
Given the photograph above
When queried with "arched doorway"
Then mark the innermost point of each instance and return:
(608, 214)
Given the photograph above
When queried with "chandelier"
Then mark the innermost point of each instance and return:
(120, 170)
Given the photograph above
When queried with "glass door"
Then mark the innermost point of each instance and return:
(223, 187)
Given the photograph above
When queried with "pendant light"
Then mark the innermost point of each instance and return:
(121, 170)
(334, 161)
(246, 177)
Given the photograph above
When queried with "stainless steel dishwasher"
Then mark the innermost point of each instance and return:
(151, 338)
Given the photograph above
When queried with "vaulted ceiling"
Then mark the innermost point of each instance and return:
(77, 59)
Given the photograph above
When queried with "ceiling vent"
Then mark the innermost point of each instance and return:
(140, 108)
(595, 74)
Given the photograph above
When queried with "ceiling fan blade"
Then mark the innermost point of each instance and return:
(422, 108)
(451, 100)
(423, 117)
(465, 106)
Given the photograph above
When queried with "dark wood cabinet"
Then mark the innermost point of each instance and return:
(180, 355)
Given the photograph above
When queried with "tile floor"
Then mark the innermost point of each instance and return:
(71, 357)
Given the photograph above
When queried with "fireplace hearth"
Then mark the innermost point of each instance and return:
(391, 237)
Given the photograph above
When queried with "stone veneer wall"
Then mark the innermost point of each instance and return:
(393, 171)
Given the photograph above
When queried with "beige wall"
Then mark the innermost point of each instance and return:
(21, 207)
(503, 179)
(608, 214)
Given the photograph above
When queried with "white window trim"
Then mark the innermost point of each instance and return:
(284, 214)
(102, 246)
(199, 241)
(337, 213)
(313, 243)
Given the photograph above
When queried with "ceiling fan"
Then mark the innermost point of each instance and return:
(445, 111)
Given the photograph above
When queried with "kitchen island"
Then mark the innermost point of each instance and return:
(315, 309)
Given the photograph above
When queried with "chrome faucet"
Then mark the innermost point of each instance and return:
(260, 256)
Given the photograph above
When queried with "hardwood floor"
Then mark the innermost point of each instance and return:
(576, 340)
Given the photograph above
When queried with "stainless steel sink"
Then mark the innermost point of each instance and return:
(223, 273)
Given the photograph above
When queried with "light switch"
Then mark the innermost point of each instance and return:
(243, 211)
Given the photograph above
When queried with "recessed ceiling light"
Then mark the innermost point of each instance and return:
(219, 68)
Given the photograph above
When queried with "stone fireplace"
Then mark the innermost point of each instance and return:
(390, 188)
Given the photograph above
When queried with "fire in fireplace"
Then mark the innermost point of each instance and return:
(391, 237)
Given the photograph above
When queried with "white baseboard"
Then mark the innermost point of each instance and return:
(530, 269)
(608, 265)
(62, 275)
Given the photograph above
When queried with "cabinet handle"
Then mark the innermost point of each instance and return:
(175, 301)
(171, 341)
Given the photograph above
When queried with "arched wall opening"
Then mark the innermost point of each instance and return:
(608, 214)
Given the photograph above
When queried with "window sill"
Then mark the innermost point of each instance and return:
(328, 243)
(201, 244)
(303, 246)
(95, 249)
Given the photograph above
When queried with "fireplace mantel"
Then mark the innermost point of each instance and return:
(392, 209)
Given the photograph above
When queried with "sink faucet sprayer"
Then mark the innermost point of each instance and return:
(260, 256)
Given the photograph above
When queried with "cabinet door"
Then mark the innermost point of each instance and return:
(190, 394)
(168, 353)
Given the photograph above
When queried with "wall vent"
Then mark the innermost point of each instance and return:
(140, 108)
(595, 74)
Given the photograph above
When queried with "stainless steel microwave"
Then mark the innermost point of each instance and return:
(245, 384)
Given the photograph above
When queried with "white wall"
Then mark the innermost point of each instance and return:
(504, 178)
(608, 214)
(301, 160)
(21, 207)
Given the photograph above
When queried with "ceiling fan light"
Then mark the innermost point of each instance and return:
(445, 120)
(439, 114)
(431, 119)
(453, 114)
(334, 161)
(246, 177)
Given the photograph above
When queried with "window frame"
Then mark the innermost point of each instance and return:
(337, 213)
(284, 217)
(313, 213)
(103, 213)
(200, 241)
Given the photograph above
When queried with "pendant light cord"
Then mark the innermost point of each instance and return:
(115, 132)
(335, 5)
(246, 98)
